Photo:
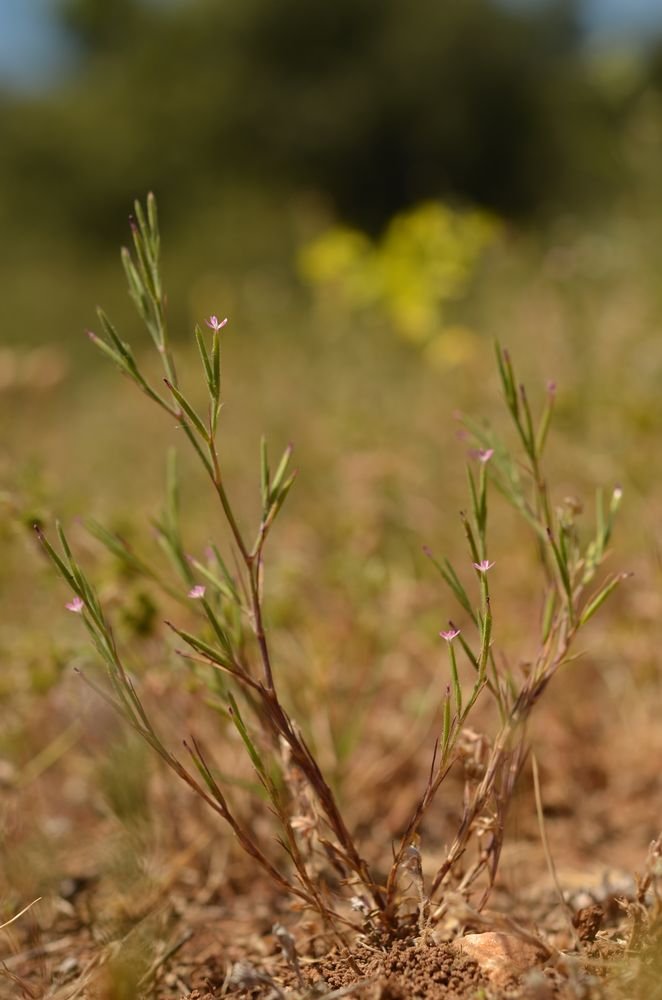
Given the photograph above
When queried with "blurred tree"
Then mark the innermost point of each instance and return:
(100, 27)
(372, 105)
(382, 110)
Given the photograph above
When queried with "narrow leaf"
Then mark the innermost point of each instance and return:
(548, 614)
(450, 576)
(455, 680)
(601, 597)
(206, 361)
(265, 487)
(202, 647)
(253, 752)
(188, 409)
(281, 470)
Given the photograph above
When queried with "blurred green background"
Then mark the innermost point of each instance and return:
(372, 196)
(258, 124)
(517, 148)
(372, 192)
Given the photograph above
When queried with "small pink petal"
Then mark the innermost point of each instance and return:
(76, 605)
(483, 566)
(214, 323)
(485, 454)
(450, 635)
(197, 592)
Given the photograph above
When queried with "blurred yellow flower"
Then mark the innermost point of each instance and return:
(456, 345)
(424, 261)
(342, 260)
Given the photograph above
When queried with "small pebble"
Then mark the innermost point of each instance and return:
(502, 957)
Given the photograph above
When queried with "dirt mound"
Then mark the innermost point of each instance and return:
(406, 969)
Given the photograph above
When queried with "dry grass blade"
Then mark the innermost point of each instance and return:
(548, 854)
(18, 915)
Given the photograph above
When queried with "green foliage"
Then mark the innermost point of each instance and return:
(466, 99)
(232, 638)
(99, 28)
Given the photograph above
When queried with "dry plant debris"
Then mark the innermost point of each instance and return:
(378, 916)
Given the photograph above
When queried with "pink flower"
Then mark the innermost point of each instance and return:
(197, 592)
(215, 324)
(76, 605)
(483, 566)
(450, 635)
(484, 454)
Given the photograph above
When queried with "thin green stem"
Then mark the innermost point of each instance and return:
(252, 562)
